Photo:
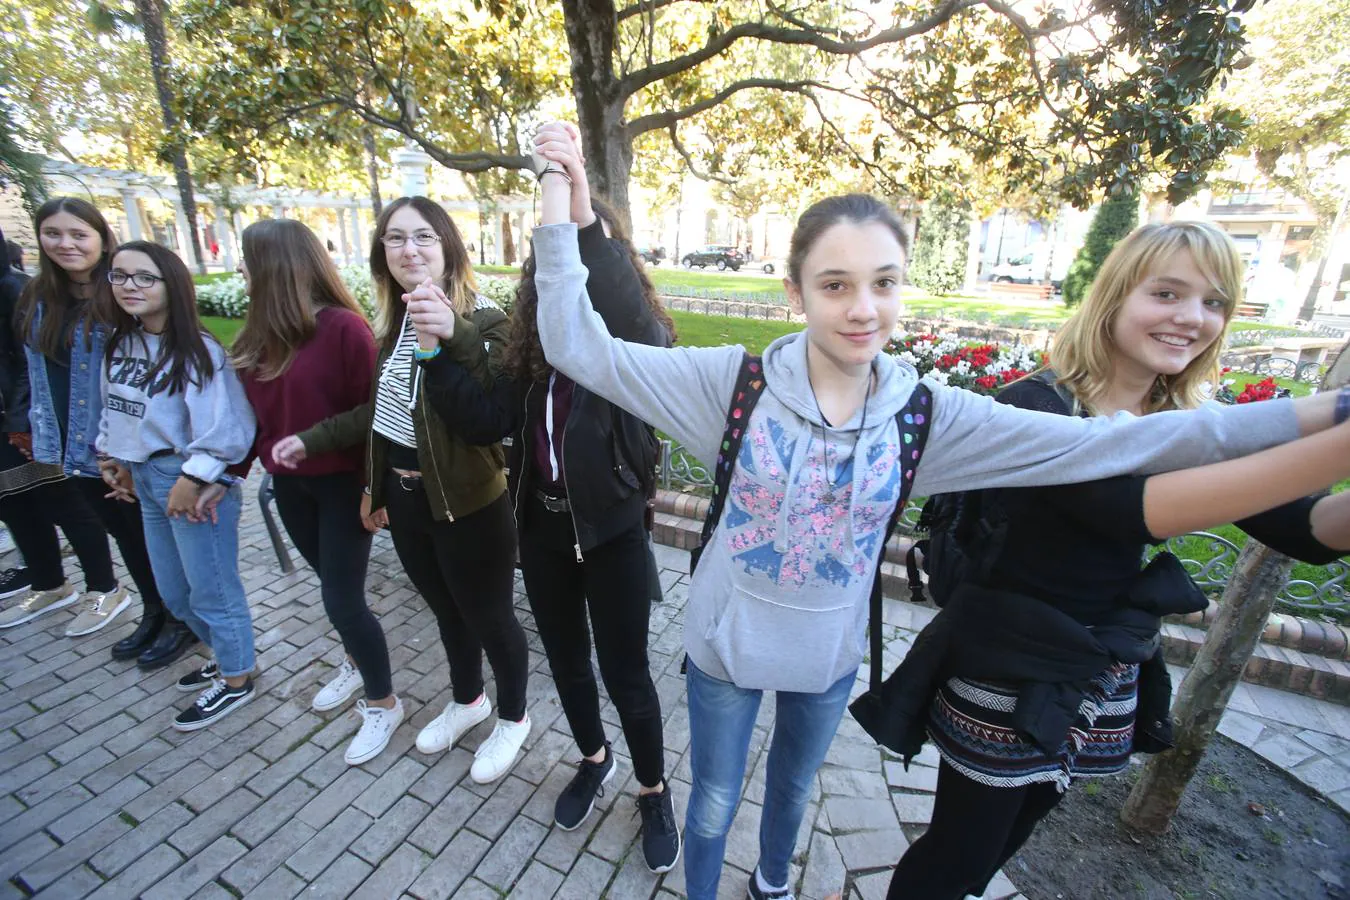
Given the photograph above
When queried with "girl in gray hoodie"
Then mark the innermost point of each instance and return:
(779, 599)
(174, 418)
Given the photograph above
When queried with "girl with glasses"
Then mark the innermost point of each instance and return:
(62, 318)
(174, 418)
(443, 498)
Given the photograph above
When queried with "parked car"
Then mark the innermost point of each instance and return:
(1014, 270)
(652, 255)
(770, 266)
(723, 256)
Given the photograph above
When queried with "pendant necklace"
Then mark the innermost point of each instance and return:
(831, 483)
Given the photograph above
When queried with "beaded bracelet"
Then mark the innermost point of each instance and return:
(1342, 406)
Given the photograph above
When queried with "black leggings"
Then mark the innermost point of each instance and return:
(465, 570)
(613, 582)
(322, 514)
(975, 830)
(123, 522)
(32, 517)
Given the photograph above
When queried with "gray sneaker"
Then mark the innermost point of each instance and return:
(36, 603)
(99, 610)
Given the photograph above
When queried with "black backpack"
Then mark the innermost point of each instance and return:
(912, 422)
(966, 532)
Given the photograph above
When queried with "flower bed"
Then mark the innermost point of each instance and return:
(226, 296)
(980, 367)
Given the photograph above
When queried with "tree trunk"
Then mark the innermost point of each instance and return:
(372, 170)
(152, 25)
(1309, 308)
(508, 241)
(591, 26)
(1257, 577)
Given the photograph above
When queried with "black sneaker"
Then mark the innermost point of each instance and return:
(216, 702)
(14, 581)
(199, 679)
(660, 834)
(754, 893)
(578, 798)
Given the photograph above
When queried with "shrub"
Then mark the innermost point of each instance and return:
(1115, 219)
(943, 245)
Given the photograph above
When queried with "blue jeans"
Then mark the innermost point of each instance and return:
(197, 565)
(721, 719)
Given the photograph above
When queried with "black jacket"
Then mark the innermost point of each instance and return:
(610, 455)
(13, 363)
(994, 635)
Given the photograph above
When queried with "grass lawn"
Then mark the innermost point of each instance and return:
(214, 276)
(698, 330)
(224, 329)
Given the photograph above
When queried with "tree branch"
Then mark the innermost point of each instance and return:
(693, 168)
(667, 118)
(635, 81)
(640, 8)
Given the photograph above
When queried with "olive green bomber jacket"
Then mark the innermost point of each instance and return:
(459, 478)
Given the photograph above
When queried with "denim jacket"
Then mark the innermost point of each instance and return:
(86, 404)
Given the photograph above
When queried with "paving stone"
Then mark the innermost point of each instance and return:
(140, 840)
(384, 791)
(914, 809)
(340, 879)
(140, 875)
(273, 813)
(390, 829)
(34, 819)
(300, 760)
(858, 814)
(335, 798)
(199, 869)
(1326, 775)
(824, 873)
(588, 878)
(502, 807)
(329, 843)
(538, 883)
(90, 812)
(871, 849)
(215, 821)
(398, 871)
(260, 862)
(444, 774)
(79, 882)
(50, 867)
(918, 778)
(510, 854)
(169, 790)
(31, 847)
(445, 818)
(280, 885)
(1283, 750)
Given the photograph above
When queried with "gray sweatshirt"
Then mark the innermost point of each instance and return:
(211, 424)
(779, 601)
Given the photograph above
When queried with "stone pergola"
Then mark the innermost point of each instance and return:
(353, 211)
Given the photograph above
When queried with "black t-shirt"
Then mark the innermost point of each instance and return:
(1078, 546)
(58, 366)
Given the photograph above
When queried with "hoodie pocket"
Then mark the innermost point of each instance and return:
(786, 646)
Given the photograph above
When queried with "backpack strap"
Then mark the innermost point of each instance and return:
(749, 386)
(912, 423)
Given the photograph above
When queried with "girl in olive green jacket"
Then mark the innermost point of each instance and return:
(443, 500)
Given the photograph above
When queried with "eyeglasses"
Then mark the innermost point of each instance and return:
(421, 239)
(140, 279)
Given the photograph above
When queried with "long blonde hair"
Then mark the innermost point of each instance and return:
(1084, 346)
(458, 282)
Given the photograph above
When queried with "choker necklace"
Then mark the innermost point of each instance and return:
(831, 483)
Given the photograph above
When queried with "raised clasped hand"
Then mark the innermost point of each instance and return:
(432, 314)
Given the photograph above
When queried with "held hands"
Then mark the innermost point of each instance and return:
(183, 498)
(373, 521)
(289, 452)
(207, 500)
(23, 441)
(118, 478)
(432, 314)
(557, 146)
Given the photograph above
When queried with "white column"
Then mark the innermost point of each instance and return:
(184, 233)
(973, 254)
(358, 245)
(225, 236)
(342, 236)
(133, 213)
(412, 168)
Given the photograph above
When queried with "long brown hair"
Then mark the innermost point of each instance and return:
(52, 286)
(524, 354)
(183, 355)
(458, 283)
(1084, 345)
(290, 277)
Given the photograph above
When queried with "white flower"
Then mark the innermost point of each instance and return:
(938, 376)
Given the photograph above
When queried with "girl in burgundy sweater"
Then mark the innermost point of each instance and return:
(306, 353)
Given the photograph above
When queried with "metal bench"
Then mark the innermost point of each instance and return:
(265, 497)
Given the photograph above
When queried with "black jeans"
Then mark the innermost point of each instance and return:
(322, 514)
(976, 828)
(32, 517)
(612, 581)
(123, 522)
(465, 570)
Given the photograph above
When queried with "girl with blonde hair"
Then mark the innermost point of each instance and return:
(1147, 339)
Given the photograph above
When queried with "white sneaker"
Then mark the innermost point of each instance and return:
(495, 756)
(442, 732)
(6, 541)
(377, 728)
(338, 691)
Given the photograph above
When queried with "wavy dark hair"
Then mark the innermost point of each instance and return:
(183, 355)
(52, 286)
(524, 354)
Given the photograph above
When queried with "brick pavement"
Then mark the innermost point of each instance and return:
(99, 797)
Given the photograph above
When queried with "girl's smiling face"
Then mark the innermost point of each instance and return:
(1168, 319)
(148, 302)
(71, 243)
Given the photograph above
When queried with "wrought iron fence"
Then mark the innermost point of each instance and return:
(1208, 557)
